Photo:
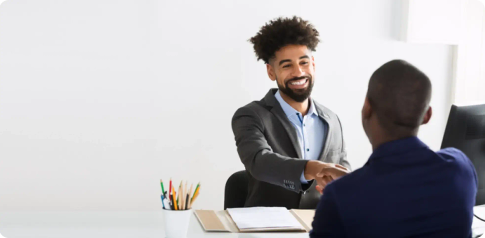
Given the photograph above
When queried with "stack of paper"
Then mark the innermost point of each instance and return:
(264, 218)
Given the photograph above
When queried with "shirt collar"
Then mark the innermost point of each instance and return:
(289, 111)
(394, 147)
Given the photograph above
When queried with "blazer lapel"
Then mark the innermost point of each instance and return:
(328, 135)
(280, 114)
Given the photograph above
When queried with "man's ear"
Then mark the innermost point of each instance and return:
(366, 109)
(271, 73)
(427, 116)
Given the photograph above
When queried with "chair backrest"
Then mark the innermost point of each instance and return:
(236, 190)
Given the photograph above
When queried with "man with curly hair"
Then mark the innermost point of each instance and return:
(287, 138)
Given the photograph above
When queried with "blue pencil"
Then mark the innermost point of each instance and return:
(163, 204)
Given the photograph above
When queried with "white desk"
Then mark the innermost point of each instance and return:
(104, 225)
(115, 224)
(478, 226)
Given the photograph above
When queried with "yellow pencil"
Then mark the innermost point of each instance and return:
(196, 190)
(174, 199)
(193, 199)
(196, 194)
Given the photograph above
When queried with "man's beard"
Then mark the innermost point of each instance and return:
(299, 95)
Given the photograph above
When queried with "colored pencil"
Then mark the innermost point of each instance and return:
(182, 197)
(161, 183)
(179, 197)
(196, 194)
(174, 199)
(196, 190)
(187, 202)
(193, 199)
(188, 195)
(171, 202)
(170, 188)
(178, 191)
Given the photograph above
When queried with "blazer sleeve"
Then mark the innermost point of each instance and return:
(257, 156)
(343, 155)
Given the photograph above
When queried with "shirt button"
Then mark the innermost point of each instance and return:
(307, 149)
(304, 125)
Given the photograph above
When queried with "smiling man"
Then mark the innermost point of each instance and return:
(287, 138)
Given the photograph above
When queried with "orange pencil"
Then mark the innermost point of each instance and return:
(174, 199)
(196, 194)
(193, 200)
(196, 190)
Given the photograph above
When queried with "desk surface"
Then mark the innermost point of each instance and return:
(103, 224)
(112, 224)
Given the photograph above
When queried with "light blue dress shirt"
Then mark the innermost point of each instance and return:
(310, 130)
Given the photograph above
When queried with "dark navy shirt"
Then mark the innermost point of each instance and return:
(404, 190)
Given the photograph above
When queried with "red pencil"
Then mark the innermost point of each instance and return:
(170, 190)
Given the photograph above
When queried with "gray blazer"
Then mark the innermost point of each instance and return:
(268, 146)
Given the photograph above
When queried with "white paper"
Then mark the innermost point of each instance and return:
(263, 217)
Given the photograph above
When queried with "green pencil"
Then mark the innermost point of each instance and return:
(163, 190)
(196, 187)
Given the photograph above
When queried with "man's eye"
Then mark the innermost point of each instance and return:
(286, 66)
(304, 62)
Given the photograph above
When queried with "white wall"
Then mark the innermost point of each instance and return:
(470, 56)
(99, 99)
(432, 21)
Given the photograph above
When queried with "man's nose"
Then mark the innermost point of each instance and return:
(297, 72)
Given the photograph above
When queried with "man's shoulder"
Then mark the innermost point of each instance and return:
(253, 107)
(455, 156)
(452, 153)
(345, 183)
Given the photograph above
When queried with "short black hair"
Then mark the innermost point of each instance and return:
(399, 93)
(282, 32)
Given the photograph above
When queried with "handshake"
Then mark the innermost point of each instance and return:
(323, 173)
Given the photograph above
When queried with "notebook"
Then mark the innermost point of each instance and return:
(256, 219)
(268, 218)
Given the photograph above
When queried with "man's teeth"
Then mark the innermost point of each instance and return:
(298, 82)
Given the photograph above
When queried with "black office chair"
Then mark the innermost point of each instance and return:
(236, 190)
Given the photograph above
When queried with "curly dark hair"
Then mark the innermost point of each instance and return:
(281, 32)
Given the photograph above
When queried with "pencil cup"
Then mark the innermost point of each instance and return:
(176, 223)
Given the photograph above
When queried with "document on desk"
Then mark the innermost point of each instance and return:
(267, 218)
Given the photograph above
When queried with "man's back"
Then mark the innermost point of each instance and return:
(404, 190)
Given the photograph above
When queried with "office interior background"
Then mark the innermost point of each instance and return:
(99, 99)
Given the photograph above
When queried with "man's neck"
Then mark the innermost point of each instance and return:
(380, 140)
(301, 107)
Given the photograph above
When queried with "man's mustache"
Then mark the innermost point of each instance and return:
(298, 78)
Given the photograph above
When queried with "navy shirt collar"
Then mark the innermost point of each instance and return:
(395, 147)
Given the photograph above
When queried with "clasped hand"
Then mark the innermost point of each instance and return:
(324, 173)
